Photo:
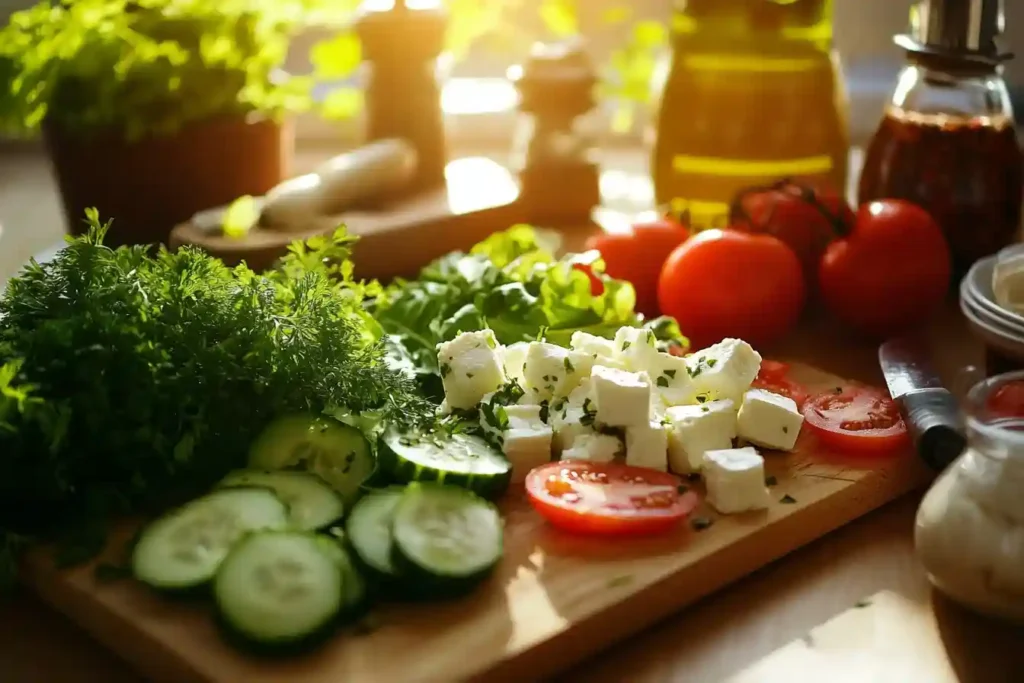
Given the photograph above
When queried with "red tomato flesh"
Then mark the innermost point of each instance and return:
(608, 499)
(859, 420)
(774, 377)
(772, 369)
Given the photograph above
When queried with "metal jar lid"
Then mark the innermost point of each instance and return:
(967, 30)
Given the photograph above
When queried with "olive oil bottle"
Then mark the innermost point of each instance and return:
(754, 93)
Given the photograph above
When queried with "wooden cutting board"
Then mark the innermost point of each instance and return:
(555, 599)
(888, 638)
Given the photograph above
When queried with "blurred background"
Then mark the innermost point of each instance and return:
(479, 101)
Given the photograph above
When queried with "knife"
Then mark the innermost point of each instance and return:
(931, 412)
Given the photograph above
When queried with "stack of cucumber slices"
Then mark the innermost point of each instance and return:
(297, 544)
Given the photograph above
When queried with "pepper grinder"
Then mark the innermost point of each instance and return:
(403, 96)
(559, 181)
(948, 141)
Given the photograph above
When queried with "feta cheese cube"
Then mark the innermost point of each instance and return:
(671, 377)
(596, 347)
(769, 420)
(552, 371)
(635, 348)
(696, 429)
(594, 447)
(647, 446)
(526, 448)
(724, 370)
(734, 479)
(513, 359)
(470, 368)
(622, 399)
(569, 418)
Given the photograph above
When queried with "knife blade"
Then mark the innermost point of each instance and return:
(931, 412)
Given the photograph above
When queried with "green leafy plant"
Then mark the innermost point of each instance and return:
(148, 66)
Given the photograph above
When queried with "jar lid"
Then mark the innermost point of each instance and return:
(968, 30)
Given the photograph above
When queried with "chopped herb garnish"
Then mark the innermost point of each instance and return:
(662, 382)
(700, 523)
(712, 362)
(651, 339)
(445, 370)
(702, 398)
(671, 374)
(785, 429)
(491, 341)
(682, 488)
(861, 604)
(787, 500)
(626, 345)
(542, 333)
(589, 413)
(770, 480)
(568, 365)
(838, 390)
(469, 375)
(705, 409)
(545, 411)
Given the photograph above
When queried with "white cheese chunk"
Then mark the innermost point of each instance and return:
(636, 348)
(570, 419)
(622, 399)
(724, 370)
(594, 447)
(547, 367)
(696, 429)
(647, 446)
(671, 377)
(734, 479)
(769, 420)
(514, 359)
(526, 448)
(470, 368)
(596, 347)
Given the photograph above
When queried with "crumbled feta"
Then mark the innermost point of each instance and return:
(734, 479)
(769, 420)
(572, 416)
(671, 377)
(514, 359)
(622, 399)
(470, 368)
(546, 369)
(594, 447)
(636, 348)
(724, 370)
(596, 347)
(527, 448)
(697, 429)
(647, 446)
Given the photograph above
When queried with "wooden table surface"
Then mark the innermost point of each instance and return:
(705, 643)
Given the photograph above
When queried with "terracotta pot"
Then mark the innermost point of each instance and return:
(150, 185)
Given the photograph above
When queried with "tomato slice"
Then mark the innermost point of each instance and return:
(773, 369)
(1007, 400)
(773, 377)
(608, 499)
(858, 420)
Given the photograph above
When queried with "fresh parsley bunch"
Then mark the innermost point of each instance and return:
(129, 380)
(147, 66)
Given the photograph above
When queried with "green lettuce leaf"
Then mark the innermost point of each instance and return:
(511, 283)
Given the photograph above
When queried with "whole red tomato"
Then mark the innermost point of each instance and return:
(637, 256)
(890, 273)
(725, 283)
(804, 217)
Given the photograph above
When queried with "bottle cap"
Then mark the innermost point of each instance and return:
(968, 30)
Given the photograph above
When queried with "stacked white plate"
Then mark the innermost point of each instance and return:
(997, 326)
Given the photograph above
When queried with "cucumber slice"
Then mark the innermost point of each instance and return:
(447, 535)
(184, 548)
(312, 504)
(460, 459)
(368, 529)
(356, 596)
(279, 588)
(338, 453)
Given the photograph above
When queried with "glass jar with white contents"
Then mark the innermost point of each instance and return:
(970, 526)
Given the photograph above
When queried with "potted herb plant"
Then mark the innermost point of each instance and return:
(154, 109)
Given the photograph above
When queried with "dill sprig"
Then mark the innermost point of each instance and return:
(130, 379)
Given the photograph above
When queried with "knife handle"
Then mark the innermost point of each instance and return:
(936, 426)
